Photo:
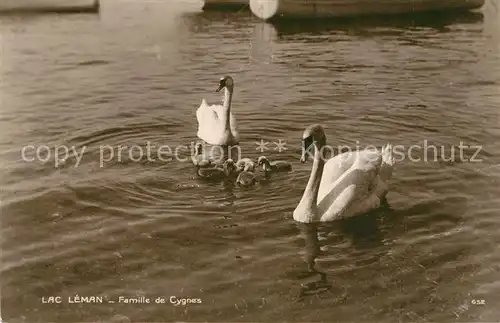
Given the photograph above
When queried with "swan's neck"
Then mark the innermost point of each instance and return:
(306, 210)
(266, 166)
(312, 188)
(228, 96)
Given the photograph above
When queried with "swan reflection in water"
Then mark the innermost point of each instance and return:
(365, 233)
(317, 280)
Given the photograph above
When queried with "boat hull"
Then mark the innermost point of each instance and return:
(62, 6)
(226, 5)
(271, 9)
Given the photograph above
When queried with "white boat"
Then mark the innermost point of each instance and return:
(270, 9)
(8, 6)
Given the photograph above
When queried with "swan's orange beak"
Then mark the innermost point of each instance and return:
(220, 88)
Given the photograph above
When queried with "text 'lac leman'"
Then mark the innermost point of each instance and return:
(73, 299)
(94, 300)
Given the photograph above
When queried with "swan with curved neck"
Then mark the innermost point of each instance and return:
(349, 184)
(216, 123)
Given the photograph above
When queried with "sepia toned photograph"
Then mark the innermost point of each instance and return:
(249, 161)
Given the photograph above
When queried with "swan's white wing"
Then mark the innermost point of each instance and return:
(346, 195)
(334, 168)
(385, 173)
(208, 122)
(201, 112)
(201, 108)
(206, 114)
(211, 127)
(387, 163)
(219, 110)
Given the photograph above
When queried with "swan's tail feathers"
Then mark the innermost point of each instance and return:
(200, 112)
(387, 162)
(203, 104)
(387, 155)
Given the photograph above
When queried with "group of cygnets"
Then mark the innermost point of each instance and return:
(243, 172)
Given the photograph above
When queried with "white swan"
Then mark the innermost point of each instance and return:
(349, 184)
(216, 123)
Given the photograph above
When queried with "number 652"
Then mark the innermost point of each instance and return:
(478, 302)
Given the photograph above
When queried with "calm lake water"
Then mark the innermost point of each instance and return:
(135, 75)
